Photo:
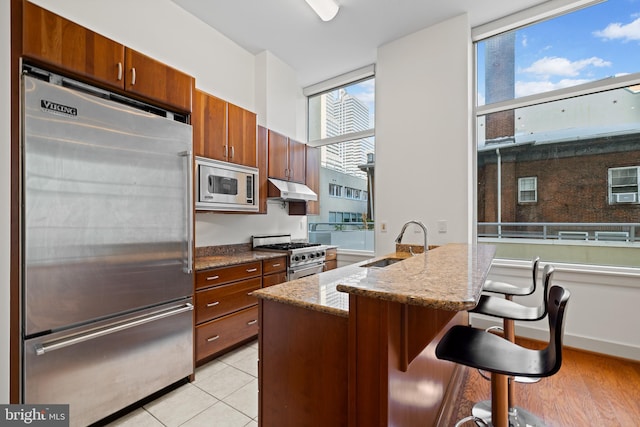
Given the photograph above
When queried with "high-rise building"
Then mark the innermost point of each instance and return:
(341, 114)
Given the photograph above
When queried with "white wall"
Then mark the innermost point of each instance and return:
(5, 195)
(422, 134)
(164, 31)
(602, 312)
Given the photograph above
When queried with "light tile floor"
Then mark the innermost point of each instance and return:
(224, 394)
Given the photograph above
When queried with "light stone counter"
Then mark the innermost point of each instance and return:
(226, 260)
(449, 277)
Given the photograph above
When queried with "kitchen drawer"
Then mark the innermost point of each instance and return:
(217, 335)
(274, 279)
(274, 265)
(219, 276)
(225, 299)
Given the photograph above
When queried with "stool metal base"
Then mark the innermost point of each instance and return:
(518, 417)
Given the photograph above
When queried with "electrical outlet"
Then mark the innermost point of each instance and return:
(383, 226)
(442, 226)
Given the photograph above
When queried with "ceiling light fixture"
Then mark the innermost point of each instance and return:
(326, 9)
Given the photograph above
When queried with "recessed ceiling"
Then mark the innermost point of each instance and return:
(318, 50)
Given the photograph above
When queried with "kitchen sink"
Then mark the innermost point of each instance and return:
(381, 263)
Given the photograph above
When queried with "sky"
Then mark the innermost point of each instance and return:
(593, 43)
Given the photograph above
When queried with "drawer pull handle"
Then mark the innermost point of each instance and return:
(213, 304)
(275, 265)
(252, 322)
(213, 338)
(133, 76)
(251, 270)
(119, 71)
(213, 277)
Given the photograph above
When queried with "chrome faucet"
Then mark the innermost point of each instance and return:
(424, 231)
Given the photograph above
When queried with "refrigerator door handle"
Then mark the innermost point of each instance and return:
(42, 348)
(189, 211)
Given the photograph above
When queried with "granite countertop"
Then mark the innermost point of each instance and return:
(224, 260)
(449, 277)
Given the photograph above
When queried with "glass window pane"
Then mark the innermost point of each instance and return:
(590, 44)
(342, 111)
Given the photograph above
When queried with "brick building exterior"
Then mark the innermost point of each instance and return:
(572, 180)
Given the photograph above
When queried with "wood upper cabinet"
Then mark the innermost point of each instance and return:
(154, 80)
(263, 161)
(297, 161)
(223, 131)
(54, 40)
(241, 135)
(313, 178)
(209, 121)
(67, 47)
(287, 158)
(278, 155)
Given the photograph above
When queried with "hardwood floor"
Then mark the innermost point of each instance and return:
(589, 390)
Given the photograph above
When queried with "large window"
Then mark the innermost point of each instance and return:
(558, 137)
(341, 123)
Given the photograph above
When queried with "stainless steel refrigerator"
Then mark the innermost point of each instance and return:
(106, 248)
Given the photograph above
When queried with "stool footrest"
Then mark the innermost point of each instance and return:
(517, 415)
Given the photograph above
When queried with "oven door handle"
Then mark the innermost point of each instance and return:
(299, 273)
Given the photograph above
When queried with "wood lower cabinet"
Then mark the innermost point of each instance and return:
(225, 314)
(55, 42)
(218, 335)
(331, 259)
(225, 299)
(274, 271)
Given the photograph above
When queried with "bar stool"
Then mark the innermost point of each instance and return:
(512, 290)
(510, 311)
(483, 350)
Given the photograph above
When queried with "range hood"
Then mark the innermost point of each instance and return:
(290, 191)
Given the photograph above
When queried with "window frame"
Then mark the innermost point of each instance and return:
(610, 186)
(522, 180)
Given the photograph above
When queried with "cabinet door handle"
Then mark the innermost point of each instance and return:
(233, 151)
(251, 270)
(213, 304)
(213, 277)
(119, 71)
(226, 151)
(213, 338)
(252, 322)
(133, 76)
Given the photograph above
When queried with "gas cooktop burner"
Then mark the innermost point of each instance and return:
(288, 246)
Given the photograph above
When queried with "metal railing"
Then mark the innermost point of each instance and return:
(346, 235)
(585, 231)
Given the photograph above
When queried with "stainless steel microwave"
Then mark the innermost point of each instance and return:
(226, 186)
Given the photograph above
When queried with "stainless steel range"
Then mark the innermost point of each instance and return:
(304, 259)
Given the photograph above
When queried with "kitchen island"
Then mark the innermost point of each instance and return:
(355, 346)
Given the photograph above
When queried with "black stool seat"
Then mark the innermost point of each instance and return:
(508, 309)
(509, 289)
(483, 350)
(479, 349)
